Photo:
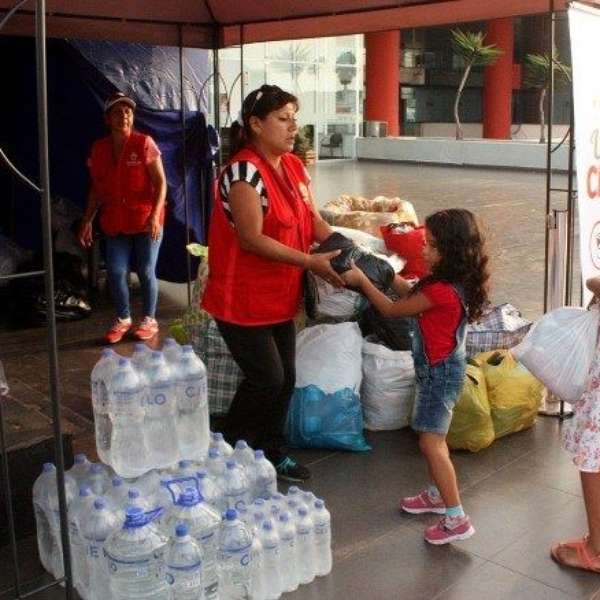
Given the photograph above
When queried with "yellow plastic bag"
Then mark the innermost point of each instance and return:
(514, 393)
(472, 427)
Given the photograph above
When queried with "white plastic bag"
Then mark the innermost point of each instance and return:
(388, 387)
(339, 303)
(329, 357)
(559, 350)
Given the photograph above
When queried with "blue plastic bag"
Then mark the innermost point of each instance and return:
(320, 420)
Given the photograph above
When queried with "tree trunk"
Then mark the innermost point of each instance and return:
(461, 87)
(542, 116)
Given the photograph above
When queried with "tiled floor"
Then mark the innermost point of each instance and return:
(522, 492)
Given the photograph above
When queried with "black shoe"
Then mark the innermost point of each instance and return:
(289, 470)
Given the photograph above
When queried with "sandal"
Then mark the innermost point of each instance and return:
(587, 562)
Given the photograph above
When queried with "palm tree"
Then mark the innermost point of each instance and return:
(469, 46)
(537, 76)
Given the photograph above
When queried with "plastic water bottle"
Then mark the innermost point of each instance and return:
(271, 560)
(278, 499)
(139, 358)
(236, 492)
(101, 376)
(134, 498)
(215, 464)
(171, 351)
(185, 468)
(135, 555)
(218, 441)
(210, 490)
(203, 524)
(265, 476)
(116, 496)
(80, 467)
(45, 506)
(184, 566)
(243, 454)
(129, 453)
(95, 529)
(258, 584)
(288, 553)
(97, 479)
(235, 543)
(294, 492)
(159, 424)
(192, 403)
(308, 499)
(79, 510)
(306, 547)
(322, 522)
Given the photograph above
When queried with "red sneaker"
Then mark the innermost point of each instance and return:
(422, 503)
(450, 529)
(118, 329)
(147, 329)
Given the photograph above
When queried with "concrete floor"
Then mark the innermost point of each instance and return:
(522, 493)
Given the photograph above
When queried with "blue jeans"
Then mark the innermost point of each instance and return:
(119, 252)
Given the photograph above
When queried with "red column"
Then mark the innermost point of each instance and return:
(498, 81)
(382, 100)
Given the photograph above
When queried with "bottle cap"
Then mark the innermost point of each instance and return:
(259, 454)
(96, 468)
(241, 445)
(133, 493)
(123, 362)
(169, 341)
(80, 459)
(48, 467)
(181, 530)
(140, 347)
(231, 514)
(231, 464)
(267, 525)
(117, 481)
(259, 516)
(100, 503)
(213, 453)
(218, 436)
(184, 464)
(85, 490)
(277, 497)
(189, 497)
(201, 474)
(319, 504)
(187, 348)
(302, 511)
(284, 517)
(107, 352)
(259, 502)
(293, 490)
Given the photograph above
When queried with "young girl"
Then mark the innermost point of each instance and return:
(453, 293)
(581, 439)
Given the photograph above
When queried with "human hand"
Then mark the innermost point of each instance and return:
(85, 234)
(154, 227)
(320, 264)
(354, 277)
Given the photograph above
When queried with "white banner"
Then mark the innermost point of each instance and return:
(584, 26)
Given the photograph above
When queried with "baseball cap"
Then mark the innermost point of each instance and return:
(115, 99)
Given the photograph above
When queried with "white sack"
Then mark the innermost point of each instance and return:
(329, 357)
(559, 350)
(388, 387)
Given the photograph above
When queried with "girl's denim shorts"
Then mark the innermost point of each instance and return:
(438, 389)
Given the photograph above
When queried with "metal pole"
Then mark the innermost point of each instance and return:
(242, 90)
(217, 100)
(42, 106)
(188, 258)
(549, 151)
(571, 204)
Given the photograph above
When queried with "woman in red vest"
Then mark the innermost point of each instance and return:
(262, 226)
(129, 189)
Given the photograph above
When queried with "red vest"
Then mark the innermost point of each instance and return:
(244, 288)
(124, 188)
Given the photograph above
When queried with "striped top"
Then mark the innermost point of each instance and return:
(241, 171)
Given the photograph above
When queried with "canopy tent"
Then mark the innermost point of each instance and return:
(220, 23)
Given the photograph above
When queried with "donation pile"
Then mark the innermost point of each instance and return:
(215, 529)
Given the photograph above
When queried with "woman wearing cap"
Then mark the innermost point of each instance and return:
(262, 226)
(128, 188)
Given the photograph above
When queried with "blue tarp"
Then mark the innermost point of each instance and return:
(80, 76)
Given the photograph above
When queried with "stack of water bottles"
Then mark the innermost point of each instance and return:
(151, 410)
(210, 529)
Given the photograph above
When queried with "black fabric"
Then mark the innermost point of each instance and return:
(394, 332)
(267, 357)
(378, 270)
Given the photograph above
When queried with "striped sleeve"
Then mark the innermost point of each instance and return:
(241, 171)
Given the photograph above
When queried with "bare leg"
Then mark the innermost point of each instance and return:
(440, 466)
(590, 483)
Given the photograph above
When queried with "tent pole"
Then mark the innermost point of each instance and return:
(188, 259)
(42, 109)
(547, 216)
(242, 90)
